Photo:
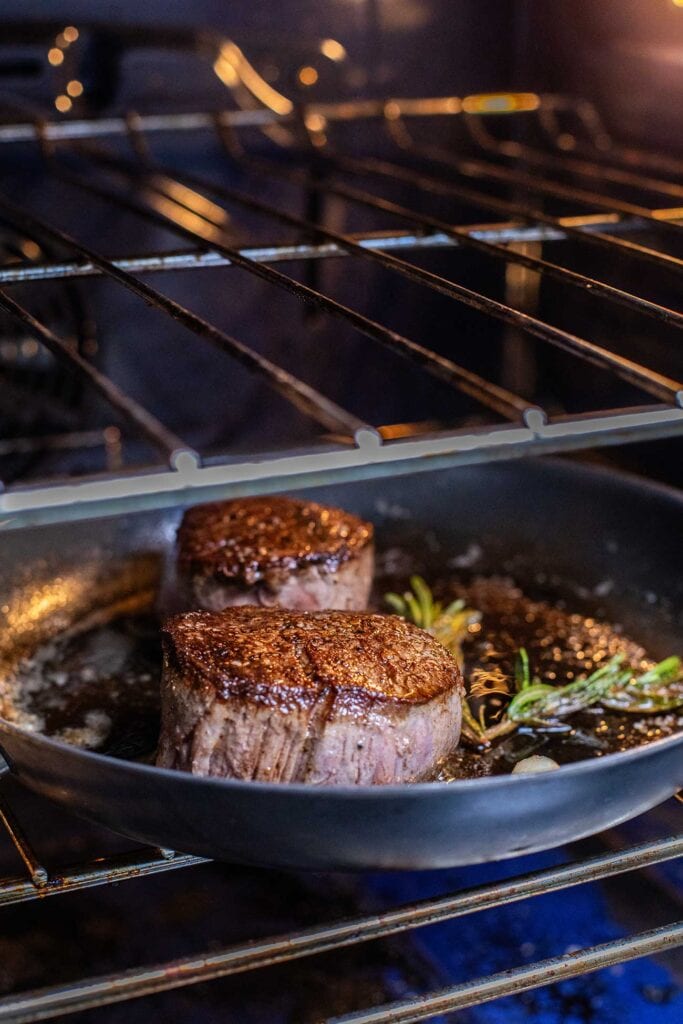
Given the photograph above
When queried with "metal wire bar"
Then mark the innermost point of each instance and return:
(165, 440)
(590, 285)
(661, 387)
(507, 208)
(78, 439)
(464, 236)
(107, 126)
(191, 259)
(631, 156)
(134, 491)
(58, 1000)
(487, 393)
(73, 129)
(666, 883)
(475, 168)
(299, 394)
(520, 979)
(509, 405)
(602, 147)
(585, 168)
(197, 120)
(35, 869)
(117, 868)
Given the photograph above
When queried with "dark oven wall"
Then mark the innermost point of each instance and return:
(627, 57)
(409, 47)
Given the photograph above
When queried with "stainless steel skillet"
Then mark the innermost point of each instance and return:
(588, 530)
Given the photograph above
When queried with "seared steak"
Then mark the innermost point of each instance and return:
(275, 551)
(321, 697)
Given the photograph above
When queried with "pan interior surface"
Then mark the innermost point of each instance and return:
(561, 528)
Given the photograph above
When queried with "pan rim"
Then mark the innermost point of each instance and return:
(630, 480)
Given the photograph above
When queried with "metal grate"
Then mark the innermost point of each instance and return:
(349, 447)
(58, 1000)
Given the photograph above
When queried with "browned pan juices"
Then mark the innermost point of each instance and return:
(100, 688)
(562, 645)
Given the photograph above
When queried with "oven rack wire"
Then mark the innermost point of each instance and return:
(350, 448)
(61, 999)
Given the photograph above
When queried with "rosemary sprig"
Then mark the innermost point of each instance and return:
(612, 686)
(658, 690)
(448, 624)
(472, 729)
(535, 703)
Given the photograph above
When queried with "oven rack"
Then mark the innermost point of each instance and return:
(348, 447)
(58, 1000)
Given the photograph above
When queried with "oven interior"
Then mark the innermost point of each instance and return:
(250, 249)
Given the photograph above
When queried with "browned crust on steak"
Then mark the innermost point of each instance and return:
(250, 539)
(290, 659)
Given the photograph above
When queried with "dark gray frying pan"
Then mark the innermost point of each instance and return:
(583, 528)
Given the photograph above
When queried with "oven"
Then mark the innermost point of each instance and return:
(382, 245)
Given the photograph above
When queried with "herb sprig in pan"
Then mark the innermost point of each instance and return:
(534, 703)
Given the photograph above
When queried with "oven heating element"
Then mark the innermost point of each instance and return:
(357, 449)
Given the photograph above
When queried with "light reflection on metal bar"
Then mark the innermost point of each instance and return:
(666, 219)
(193, 121)
(106, 126)
(389, 241)
(92, 497)
(193, 260)
(520, 979)
(509, 405)
(61, 999)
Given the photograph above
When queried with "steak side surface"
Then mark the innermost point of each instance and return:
(275, 551)
(330, 698)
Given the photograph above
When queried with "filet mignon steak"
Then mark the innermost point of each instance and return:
(322, 697)
(275, 551)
